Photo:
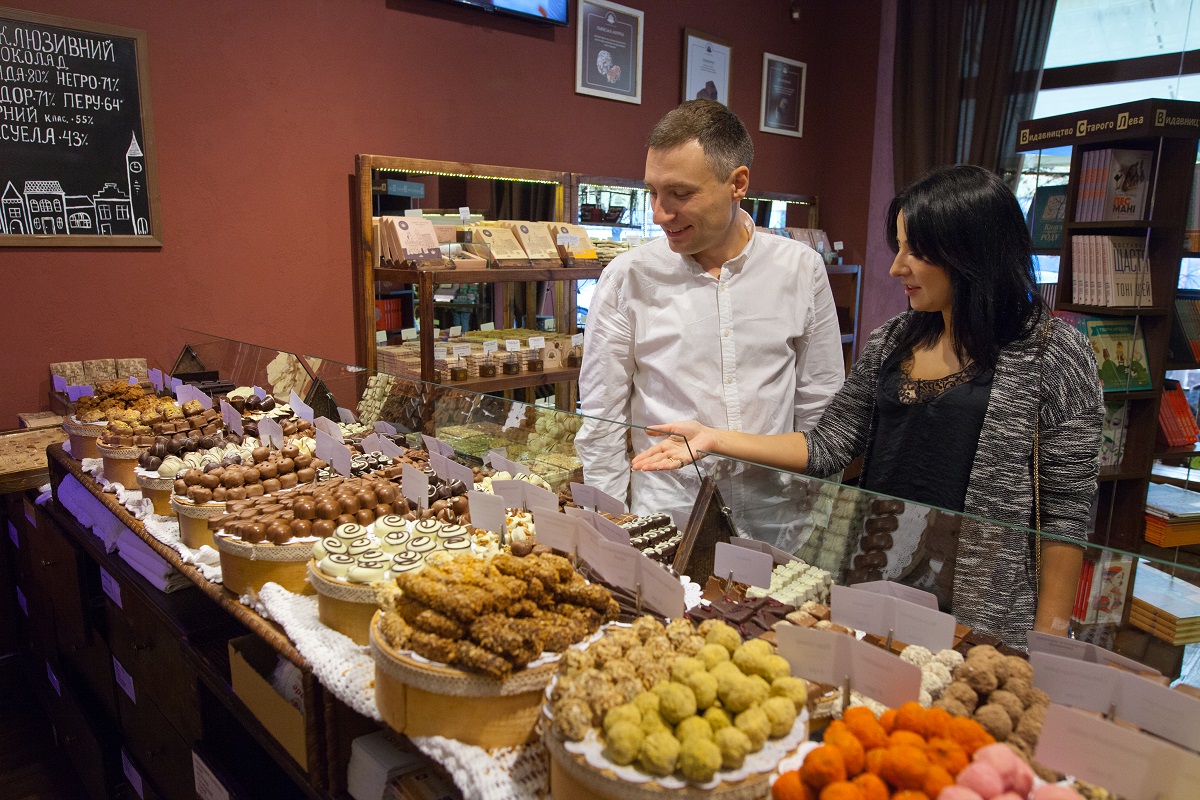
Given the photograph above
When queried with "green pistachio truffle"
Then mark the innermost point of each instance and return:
(693, 726)
(754, 723)
(676, 702)
(717, 718)
(704, 686)
(684, 666)
(623, 742)
(781, 713)
(658, 753)
(646, 701)
(794, 689)
(734, 744)
(699, 759)
(713, 654)
(626, 712)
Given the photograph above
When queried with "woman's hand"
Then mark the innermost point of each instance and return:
(686, 440)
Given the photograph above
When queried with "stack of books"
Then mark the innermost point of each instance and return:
(1185, 332)
(1120, 350)
(1176, 421)
(1111, 271)
(1114, 185)
(1165, 606)
(1100, 595)
(1112, 434)
(1172, 516)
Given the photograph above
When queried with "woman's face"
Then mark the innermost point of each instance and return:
(927, 286)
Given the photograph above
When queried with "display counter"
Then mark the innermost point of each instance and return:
(298, 671)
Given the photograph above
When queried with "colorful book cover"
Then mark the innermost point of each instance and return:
(1049, 212)
(1127, 180)
(1120, 353)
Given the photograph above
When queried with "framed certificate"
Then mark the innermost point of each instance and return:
(706, 62)
(608, 51)
(782, 105)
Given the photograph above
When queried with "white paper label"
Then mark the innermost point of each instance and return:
(900, 591)
(346, 416)
(488, 326)
(661, 590)
(370, 443)
(438, 462)
(390, 448)
(208, 787)
(412, 212)
(609, 529)
(567, 240)
(487, 511)
(583, 495)
(616, 565)
(14, 536)
(464, 213)
(779, 556)
(259, 392)
(881, 675)
(53, 679)
(461, 350)
(576, 339)
(513, 492)
(744, 566)
(385, 428)
(607, 504)
(60, 383)
(326, 446)
(458, 472)
(557, 531)
(270, 432)
(439, 352)
(537, 497)
(329, 427)
(124, 679)
(829, 657)
(76, 392)
(110, 586)
(381, 337)
(21, 602)
(415, 485)
(131, 774)
(133, 381)
(878, 613)
(500, 462)
(300, 408)
(186, 392)
(537, 342)
(342, 462)
(455, 331)
(490, 346)
(837, 246)
(512, 345)
(156, 379)
(408, 335)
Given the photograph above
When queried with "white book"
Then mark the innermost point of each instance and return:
(1126, 185)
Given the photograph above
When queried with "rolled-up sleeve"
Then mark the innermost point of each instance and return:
(820, 369)
(605, 387)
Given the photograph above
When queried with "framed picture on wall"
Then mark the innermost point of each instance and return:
(608, 51)
(706, 61)
(782, 106)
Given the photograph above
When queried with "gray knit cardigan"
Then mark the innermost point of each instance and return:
(995, 573)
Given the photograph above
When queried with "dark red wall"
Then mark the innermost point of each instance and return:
(259, 108)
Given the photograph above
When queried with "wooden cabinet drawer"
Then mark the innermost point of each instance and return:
(161, 755)
(59, 567)
(91, 751)
(151, 652)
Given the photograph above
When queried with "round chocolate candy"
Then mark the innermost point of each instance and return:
(279, 532)
(268, 469)
(323, 528)
(301, 528)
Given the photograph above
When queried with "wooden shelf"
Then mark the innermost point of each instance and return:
(1116, 225)
(1162, 451)
(1118, 395)
(502, 383)
(1119, 473)
(1115, 311)
(521, 275)
(843, 269)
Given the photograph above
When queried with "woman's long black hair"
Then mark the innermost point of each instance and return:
(965, 220)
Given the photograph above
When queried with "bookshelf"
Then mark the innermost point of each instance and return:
(1169, 130)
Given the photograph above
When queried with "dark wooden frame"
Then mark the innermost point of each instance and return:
(154, 238)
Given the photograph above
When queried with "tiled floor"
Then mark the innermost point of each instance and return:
(30, 768)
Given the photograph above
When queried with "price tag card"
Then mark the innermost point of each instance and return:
(583, 495)
(878, 613)
(188, 392)
(1057, 645)
(110, 586)
(616, 565)
(576, 339)
(464, 213)
(537, 497)
(14, 536)
(131, 774)
(455, 331)
(385, 428)
(381, 337)
(777, 555)
(487, 512)
(512, 345)
(461, 350)
(300, 408)
(661, 590)
(208, 786)
(259, 392)
(408, 335)
(327, 446)
(1100, 752)
(1075, 683)
(124, 679)
(916, 624)
(370, 443)
(432, 445)
(490, 346)
(22, 602)
(230, 415)
(607, 504)
(488, 326)
(390, 448)
(1157, 709)
(133, 381)
(60, 383)
(814, 654)
(537, 342)
(567, 240)
(881, 675)
(557, 531)
(745, 566)
(342, 461)
(156, 379)
(900, 591)
(500, 462)
(175, 384)
(458, 472)
(270, 432)
(50, 676)
(76, 392)
(413, 212)
(330, 427)
(438, 462)
(864, 611)
(513, 492)
(439, 352)
(346, 415)
(415, 485)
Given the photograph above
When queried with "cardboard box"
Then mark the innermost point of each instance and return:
(1151, 651)
(40, 419)
(251, 663)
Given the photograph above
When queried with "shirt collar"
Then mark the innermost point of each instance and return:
(735, 264)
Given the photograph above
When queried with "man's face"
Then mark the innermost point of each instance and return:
(694, 207)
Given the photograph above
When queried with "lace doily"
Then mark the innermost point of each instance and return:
(513, 773)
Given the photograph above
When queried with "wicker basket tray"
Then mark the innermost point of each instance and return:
(119, 463)
(84, 436)
(346, 607)
(159, 490)
(421, 699)
(245, 568)
(193, 521)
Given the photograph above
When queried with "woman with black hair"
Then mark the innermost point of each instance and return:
(945, 402)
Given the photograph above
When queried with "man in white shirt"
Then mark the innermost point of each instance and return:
(714, 321)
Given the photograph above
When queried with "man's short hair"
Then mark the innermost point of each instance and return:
(724, 138)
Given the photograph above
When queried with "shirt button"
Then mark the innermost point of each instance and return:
(727, 332)
(729, 380)
(735, 428)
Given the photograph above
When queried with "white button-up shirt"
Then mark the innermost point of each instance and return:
(757, 350)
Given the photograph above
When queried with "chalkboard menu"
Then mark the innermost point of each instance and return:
(76, 137)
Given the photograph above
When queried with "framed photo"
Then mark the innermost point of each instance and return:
(706, 61)
(782, 107)
(608, 51)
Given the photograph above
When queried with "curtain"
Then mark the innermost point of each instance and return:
(966, 73)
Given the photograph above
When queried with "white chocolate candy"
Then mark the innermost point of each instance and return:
(395, 541)
(427, 527)
(407, 562)
(374, 554)
(360, 545)
(332, 546)
(336, 566)
(421, 544)
(456, 544)
(368, 571)
(451, 532)
(392, 523)
(350, 531)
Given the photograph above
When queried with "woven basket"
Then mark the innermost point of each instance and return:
(346, 607)
(159, 490)
(193, 521)
(419, 699)
(84, 436)
(120, 463)
(245, 568)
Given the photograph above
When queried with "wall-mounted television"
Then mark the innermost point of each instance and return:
(549, 11)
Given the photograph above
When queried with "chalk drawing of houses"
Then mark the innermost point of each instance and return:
(47, 204)
(114, 215)
(12, 212)
(81, 214)
(135, 172)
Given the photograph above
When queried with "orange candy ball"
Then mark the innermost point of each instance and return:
(838, 735)
(788, 786)
(947, 754)
(904, 767)
(842, 790)
(872, 786)
(936, 779)
(822, 767)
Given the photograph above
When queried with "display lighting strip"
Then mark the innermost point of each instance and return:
(463, 175)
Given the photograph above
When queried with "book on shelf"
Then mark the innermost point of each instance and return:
(1049, 292)
(1112, 433)
(1176, 420)
(1120, 349)
(1184, 342)
(1047, 214)
(1111, 271)
(1114, 185)
(1100, 594)
(1191, 230)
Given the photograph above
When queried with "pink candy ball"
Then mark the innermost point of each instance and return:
(982, 778)
(958, 793)
(1009, 796)
(1016, 774)
(1051, 791)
